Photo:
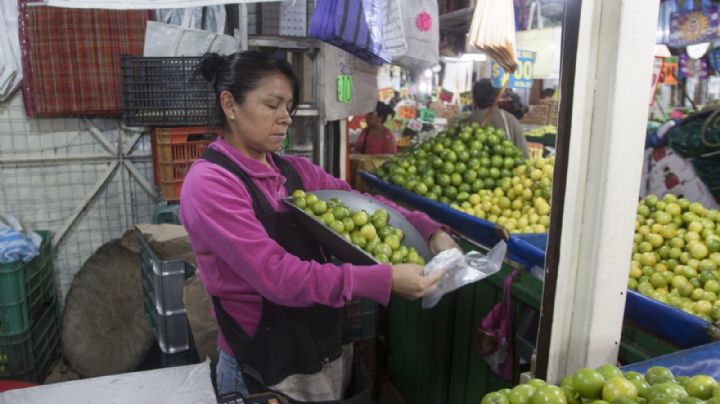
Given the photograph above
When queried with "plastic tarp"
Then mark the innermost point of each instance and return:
(670, 323)
(175, 385)
(704, 359)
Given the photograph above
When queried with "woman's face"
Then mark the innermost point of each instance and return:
(261, 121)
(372, 119)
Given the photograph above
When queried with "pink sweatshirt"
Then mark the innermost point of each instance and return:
(241, 264)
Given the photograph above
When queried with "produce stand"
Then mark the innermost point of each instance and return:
(528, 250)
(703, 359)
(420, 344)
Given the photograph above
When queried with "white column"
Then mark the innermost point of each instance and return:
(609, 116)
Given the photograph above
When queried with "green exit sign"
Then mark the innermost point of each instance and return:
(344, 87)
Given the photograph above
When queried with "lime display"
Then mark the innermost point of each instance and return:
(370, 231)
(478, 170)
(675, 258)
(608, 385)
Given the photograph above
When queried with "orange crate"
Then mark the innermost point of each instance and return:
(174, 151)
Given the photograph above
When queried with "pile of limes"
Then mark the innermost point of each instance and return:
(371, 232)
(454, 164)
(521, 203)
(608, 384)
(676, 255)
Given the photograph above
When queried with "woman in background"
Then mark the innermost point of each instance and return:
(376, 138)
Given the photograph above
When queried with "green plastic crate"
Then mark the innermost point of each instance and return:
(30, 355)
(25, 288)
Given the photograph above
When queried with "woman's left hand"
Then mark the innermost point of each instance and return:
(441, 241)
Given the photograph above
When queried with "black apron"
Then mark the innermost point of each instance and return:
(288, 340)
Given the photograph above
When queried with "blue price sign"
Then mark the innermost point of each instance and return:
(523, 76)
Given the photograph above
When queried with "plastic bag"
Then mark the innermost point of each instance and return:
(461, 270)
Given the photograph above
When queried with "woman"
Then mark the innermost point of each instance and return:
(277, 299)
(376, 138)
(488, 113)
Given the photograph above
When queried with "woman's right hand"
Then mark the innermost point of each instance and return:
(409, 282)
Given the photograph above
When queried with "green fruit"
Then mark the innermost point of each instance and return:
(327, 218)
(536, 383)
(349, 224)
(392, 241)
(495, 398)
(667, 390)
(360, 218)
(658, 374)
(608, 371)
(319, 207)
(701, 386)
(337, 226)
(358, 239)
(588, 383)
(549, 394)
(368, 231)
(521, 394)
(618, 387)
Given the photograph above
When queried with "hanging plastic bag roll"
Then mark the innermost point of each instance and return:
(461, 270)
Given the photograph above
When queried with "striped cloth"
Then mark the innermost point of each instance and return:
(71, 58)
(16, 245)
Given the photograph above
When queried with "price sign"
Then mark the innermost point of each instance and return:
(446, 95)
(523, 76)
(386, 93)
(344, 86)
(669, 72)
(407, 112)
(427, 115)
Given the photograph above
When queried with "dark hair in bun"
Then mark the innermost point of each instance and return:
(241, 72)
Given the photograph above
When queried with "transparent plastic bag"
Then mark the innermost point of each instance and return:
(461, 270)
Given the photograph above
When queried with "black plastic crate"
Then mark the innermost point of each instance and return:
(166, 92)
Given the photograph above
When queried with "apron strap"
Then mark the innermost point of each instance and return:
(260, 203)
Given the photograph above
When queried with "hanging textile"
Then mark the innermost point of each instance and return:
(343, 23)
(421, 24)
(143, 4)
(71, 58)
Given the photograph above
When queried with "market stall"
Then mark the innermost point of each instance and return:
(460, 126)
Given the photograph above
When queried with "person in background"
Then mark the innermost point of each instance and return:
(547, 93)
(395, 100)
(484, 96)
(277, 298)
(376, 138)
(511, 103)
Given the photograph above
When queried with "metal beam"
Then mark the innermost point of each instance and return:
(38, 160)
(140, 178)
(604, 161)
(85, 204)
(100, 137)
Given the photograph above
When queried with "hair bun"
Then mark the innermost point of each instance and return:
(210, 64)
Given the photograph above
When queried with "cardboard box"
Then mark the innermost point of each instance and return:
(364, 162)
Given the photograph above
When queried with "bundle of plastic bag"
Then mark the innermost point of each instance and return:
(493, 31)
(461, 270)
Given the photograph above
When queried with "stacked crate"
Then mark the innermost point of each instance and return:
(162, 283)
(29, 318)
(362, 315)
(168, 95)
